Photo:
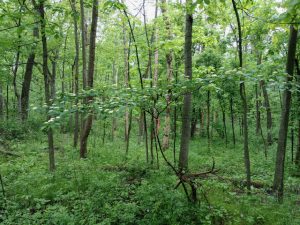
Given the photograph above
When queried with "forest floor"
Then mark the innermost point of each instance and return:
(109, 188)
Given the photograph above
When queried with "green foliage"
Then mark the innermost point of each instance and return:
(106, 188)
(12, 129)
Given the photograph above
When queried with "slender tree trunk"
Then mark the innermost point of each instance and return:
(278, 183)
(244, 101)
(193, 122)
(141, 81)
(156, 64)
(208, 119)
(6, 102)
(87, 124)
(16, 67)
(53, 76)
(169, 60)
(65, 50)
(114, 119)
(47, 81)
(202, 126)
(128, 112)
(269, 112)
(76, 61)
(26, 86)
(1, 102)
(232, 120)
(292, 142)
(83, 44)
(258, 105)
(187, 102)
(297, 157)
(224, 123)
(141, 127)
(27, 81)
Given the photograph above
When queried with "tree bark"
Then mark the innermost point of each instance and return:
(47, 80)
(278, 183)
(16, 67)
(193, 122)
(76, 61)
(53, 75)
(87, 124)
(186, 124)
(269, 112)
(27, 80)
(26, 86)
(297, 157)
(244, 101)
(208, 119)
(258, 105)
(141, 81)
(169, 60)
(83, 43)
(128, 112)
(1, 102)
(224, 122)
(232, 120)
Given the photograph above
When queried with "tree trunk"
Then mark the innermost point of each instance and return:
(53, 76)
(16, 67)
(141, 127)
(26, 86)
(208, 119)
(47, 80)
(7, 101)
(232, 120)
(1, 102)
(128, 112)
(83, 44)
(297, 158)
(64, 53)
(224, 123)
(87, 124)
(114, 119)
(269, 112)
(169, 60)
(193, 123)
(244, 101)
(27, 81)
(186, 120)
(278, 183)
(202, 126)
(76, 61)
(141, 79)
(258, 105)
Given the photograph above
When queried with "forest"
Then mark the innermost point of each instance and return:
(149, 112)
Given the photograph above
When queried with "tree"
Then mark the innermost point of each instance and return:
(297, 158)
(169, 60)
(187, 102)
(244, 99)
(76, 62)
(278, 183)
(47, 79)
(27, 80)
(87, 124)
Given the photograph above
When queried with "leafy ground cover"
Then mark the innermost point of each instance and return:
(109, 188)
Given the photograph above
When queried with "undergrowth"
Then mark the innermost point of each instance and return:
(111, 188)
